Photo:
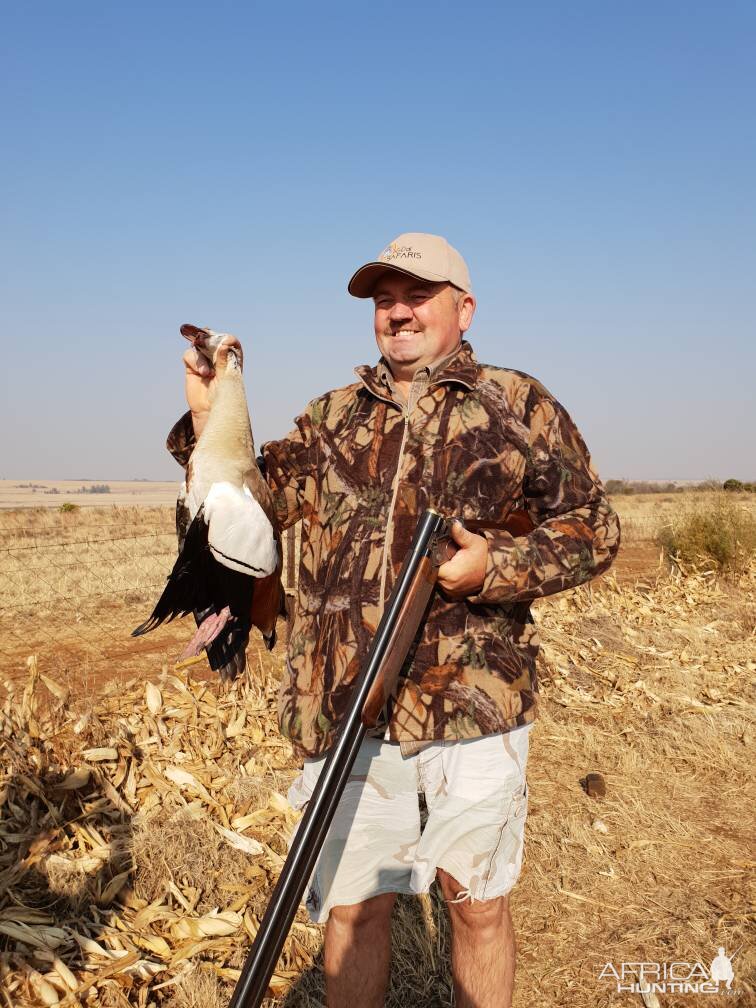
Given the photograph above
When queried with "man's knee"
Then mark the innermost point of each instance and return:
(372, 912)
(463, 908)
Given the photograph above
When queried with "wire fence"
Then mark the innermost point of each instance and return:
(72, 593)
(74, 585)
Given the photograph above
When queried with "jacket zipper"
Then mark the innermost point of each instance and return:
(389, 529)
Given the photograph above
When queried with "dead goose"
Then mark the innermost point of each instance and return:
(228, 572)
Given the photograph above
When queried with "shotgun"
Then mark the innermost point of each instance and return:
(375, 686)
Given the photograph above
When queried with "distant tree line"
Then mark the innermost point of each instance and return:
(98, 488)
(620, 486)
(733, 484)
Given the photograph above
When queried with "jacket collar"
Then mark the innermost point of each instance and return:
(460, 366)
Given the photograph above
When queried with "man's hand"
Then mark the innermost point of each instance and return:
(199, 379)
(464, 574)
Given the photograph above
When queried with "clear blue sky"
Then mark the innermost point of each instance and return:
(232, 164)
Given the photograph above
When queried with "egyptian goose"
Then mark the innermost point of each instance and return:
(228, 572)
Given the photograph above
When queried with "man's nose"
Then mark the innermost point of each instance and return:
(400, 311)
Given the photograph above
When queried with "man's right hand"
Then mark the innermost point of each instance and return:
(200, 379)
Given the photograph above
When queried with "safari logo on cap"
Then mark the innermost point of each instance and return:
(396, 251)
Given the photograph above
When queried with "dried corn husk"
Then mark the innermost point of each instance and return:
(153, 698)
(43, 989)
(211, 926)
(100, 754)
(243, 843)
(76, 779)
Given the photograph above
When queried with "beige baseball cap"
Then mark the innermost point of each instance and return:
(427, 256)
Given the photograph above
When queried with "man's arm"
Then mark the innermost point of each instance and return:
(577, 533)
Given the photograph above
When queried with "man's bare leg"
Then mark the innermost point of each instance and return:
(483, 948)
(357, 953)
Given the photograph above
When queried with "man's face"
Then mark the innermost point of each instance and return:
(418, 322)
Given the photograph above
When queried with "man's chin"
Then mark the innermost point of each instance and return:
(407, 354)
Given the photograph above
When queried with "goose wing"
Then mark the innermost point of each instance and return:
(240, 534)
(186, 590)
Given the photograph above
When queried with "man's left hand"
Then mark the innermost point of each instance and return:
(464, 574)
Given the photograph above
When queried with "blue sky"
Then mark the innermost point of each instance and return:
(231, 165)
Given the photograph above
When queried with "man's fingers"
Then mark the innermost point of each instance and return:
(221, 356)
(197, 364)
(460, 535)
(463, 574)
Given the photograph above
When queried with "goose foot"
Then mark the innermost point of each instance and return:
(206, 633)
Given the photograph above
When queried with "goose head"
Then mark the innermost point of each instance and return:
(205, 341)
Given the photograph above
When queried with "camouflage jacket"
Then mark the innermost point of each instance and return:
(475, 441)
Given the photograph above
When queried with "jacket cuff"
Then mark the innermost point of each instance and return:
(180, 442)
(561, 553)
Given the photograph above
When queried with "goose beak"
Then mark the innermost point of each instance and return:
(196, 336)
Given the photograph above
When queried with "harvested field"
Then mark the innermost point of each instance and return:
(110, 761)
(52, 493)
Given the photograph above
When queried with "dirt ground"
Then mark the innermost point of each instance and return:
(88, 645)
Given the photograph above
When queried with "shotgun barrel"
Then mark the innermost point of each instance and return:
(395, 632)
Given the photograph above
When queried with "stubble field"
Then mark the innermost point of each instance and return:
(142, 811)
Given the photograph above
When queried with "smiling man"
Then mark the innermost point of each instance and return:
(440, 793)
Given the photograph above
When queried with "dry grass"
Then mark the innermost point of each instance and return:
(112, 864)
(76, 584)
(644, 515)
(199, 987)
(168, 839)
(719, 533)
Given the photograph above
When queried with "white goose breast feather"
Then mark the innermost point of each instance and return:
(239, 533)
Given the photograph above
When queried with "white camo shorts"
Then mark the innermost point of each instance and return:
(476, 798)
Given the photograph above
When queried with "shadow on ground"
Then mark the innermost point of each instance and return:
(420, 974)
(64, 856)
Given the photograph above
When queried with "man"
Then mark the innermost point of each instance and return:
(428, 426)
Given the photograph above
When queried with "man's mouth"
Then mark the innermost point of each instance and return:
(405, 332)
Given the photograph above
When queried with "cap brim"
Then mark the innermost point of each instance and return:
(362, 283)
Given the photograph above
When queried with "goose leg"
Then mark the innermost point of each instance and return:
(206, 633)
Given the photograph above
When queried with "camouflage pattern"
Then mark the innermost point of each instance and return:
(475, 441)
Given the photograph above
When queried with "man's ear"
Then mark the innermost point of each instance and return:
(466, 308)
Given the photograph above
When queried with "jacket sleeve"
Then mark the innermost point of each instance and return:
(289, 464)
(180, 441)
(577, 533)
(286, 464)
